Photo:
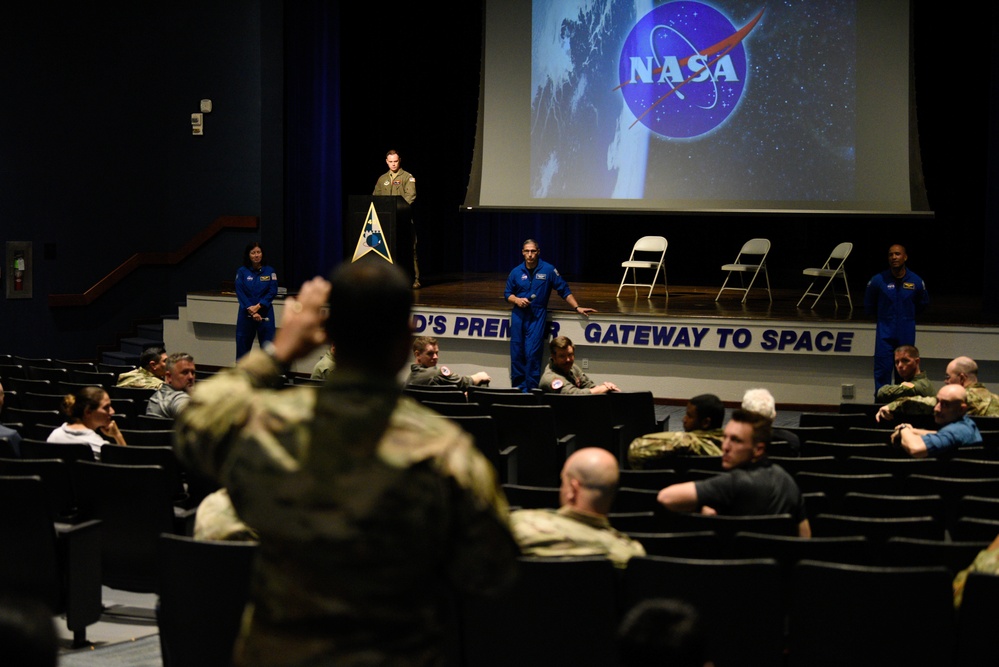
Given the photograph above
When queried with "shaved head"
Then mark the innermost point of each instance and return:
(589, 480)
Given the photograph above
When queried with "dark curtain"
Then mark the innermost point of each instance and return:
(313, 187)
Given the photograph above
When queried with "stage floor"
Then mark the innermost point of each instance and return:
(485, 291)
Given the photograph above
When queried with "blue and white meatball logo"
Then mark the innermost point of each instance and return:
(684, 69)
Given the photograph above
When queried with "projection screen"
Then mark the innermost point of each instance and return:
(716, 105)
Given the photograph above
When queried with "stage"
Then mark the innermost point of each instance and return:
(677, 348)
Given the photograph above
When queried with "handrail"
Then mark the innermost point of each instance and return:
(153, 259)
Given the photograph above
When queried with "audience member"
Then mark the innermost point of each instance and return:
(13, 437)
(370, 508)
(662, 633)
(701, 436)
(987, 562)
(89, 418)
(170, 399)
(914, 380)
(426, 371)
(149, 374)
(762, 402)
(528, 289)
(325, 366)
(579, 527)
(752, 484)
(961, 371)
(563, 376)
(956, 428)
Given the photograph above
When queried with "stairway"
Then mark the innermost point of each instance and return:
(147, 335)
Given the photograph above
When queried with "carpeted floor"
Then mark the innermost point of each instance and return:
(142, 652)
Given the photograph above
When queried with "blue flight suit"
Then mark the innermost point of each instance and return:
(895, 304)
(529, 326)
(253, 287)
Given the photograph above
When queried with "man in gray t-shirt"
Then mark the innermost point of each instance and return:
(752, 484)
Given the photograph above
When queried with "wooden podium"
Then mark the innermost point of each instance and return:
(380, 228)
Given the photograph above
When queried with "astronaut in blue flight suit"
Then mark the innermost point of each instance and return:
(256, 287)
(528, 288)
(894, 297)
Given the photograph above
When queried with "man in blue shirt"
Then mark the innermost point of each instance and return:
(528, 288)
(956, 428)
(894, 298)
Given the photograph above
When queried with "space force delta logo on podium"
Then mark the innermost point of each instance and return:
(372, 238)
(684, 69)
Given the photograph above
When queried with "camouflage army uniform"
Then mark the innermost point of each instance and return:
(986, 561)
(921, 386)
(436, 375)
(139, 378)
(981, 402)
(369, 510)
(555, 381)
(569, 532)
(646, 450)
(216, 519)
(323, 367)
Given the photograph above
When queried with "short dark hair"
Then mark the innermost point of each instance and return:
(370, 304)
(246, 253)
(762, 425)
(911, 350)
(177, 356)
(149, 355)
(526, 241)
(710, 407)
(420, 343)
(392, 151)
(560, 343)
(661, 631)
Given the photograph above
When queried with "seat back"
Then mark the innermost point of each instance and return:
(57, 483)
(650, 244)
(538, 459)
(754, 247)
(721, 590)
(483, 432)
(861, 615)
(135, 505)
(203, 587)
(517, 628)
(842, 251)
(29, 561)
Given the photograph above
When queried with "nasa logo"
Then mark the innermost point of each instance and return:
(684, 69)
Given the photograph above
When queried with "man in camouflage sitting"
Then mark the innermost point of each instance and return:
(701, 436)
(961, 371)
(580, 526)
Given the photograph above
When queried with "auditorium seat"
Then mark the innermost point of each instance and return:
(135, 504)
(836, 420)
(531, 497)
(878, 529)
(482, 428)
(740, 599)
(451, 395)
(559, 611)
(955, 555)
(864, 615)
(725, 526)
(635, 500)
(698, 544)
(203, 588)
(57, 483)
(59, 566)
(457, 408)
(538, 454)
(591, 418)
(648, 479)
